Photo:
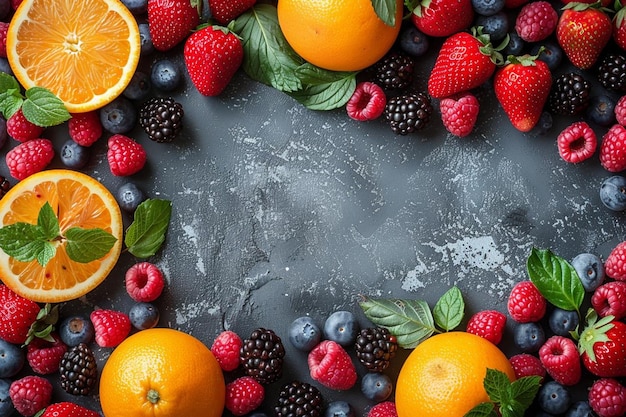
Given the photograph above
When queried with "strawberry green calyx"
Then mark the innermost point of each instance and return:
(526, 60)
(493, 52)
(579, 7)
(620, 14)
(595, 331)
(418, 6)
(44, 325)
(197, 4)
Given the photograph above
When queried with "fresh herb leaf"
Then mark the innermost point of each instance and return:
(496, 384)
(43, 108)
(326, 96)
(386, 11)
(87, 245)
(8, 82)
(507, 399)
(485, 409)
(525, 389)
(10, 101)
(48, 222)
(147, 232)
(449, 309)
(45, 252)
(22, 241)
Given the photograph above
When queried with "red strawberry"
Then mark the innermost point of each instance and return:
(44, 356)
(223, 11)
(459, 113)
(21, 129)
(583, 31)
(619, 26)
(560, 358)
(111, 327)
(615, 264)
(226, 348)
(488, 324)
(602, 345)
(30, 394)
(442, 17)
(244, 395)
(29, 157)
(607, 397)
(465, 61)
(171, 21)
(17, 314)
(613, 149)
(212, 56)
(125, 156)
(522, 88)
(610, 299)
(331, 366)
(67, 409)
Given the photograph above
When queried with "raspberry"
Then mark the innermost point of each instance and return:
(488, 324)
(610, 299)
(607, 397)
(367, 102)
(244, 395)
(125, 156)
(111, 327)
(30, 394)
(384, 409)
(615, 264)
(559, 355)
(21, 129)
(459, 113)
(66, 408)
(613, 149)
(226, 348)
(331, 366)
(526, 304)
(525, 364)
(85, 128)
(620, 111)
(29, 157)
(4, 27)
(536, 21)
(577, 142)
(44, 356)
(144, 282)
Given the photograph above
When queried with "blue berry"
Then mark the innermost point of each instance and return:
(119, 116)
(562, 322)
(601, 110)
(496, 25)
(73, 155)
(552, 54)
(258, 414)
(143, 316)
(5, 67)
(487, 7)
(304, 334)
(165, 75)
(339, 409)
(376, 386)
(413, 41)
(136, 7)
(6, 405)
(75, 330)
(590, 270)
(11, 359)
(554, 398)
(529, 337)
(515, 46)
(139, 86)
(147, 46)
(341, 327)
(580, 409)
(613, 193)
(129, 196)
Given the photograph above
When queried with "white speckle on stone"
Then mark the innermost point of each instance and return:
(188, 312)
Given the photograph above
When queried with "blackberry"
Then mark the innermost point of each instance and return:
(161, 118)
(78, 370)
(262, 356)
(5, 185)
(612, 72)
(569, 95)
(375, 347)
(299, 399)
(408, 112)
(395, 71)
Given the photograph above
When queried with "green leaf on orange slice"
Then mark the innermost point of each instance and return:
(449, 309)
(146, 234)
(87, 245)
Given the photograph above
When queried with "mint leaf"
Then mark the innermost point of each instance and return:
(147, 232)
(87, 245)
(43, 108)
(48, 222)
(10, 101)
(525, 389)
(556, 279)
(497, 385)
(411, 321)
(22, 241)
(386, 11)
(449, 309)
(485, 409)
(510, 398)
(45, 252)
(8, 82)
(323, 89)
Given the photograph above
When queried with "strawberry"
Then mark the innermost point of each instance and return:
(223, 11)
(67, 409)
(619, 25)
(613, 149)
(212, 56)
(522, 88)
(331, 366)
(171, 21)
(464, 62)
(17, 314)
(602, 346)
(111, 327)
(44, 356)
(125, 156)
(583, 31)
(442, 17)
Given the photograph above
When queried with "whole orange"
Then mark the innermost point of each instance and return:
(338, 35)
(162, 372)
(443, 376)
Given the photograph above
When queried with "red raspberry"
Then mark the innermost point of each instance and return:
(144, 282)
(613, 149)
(610, 299)
(384, 409)
(44, 356)
(459, 113)
(559, 355)
(29, 157)
(620, 111)
(85, 128)
(111, 327)
(536, 21)
(607, 397)
(244, 395)
(367, 102)
(68, 409)
(525, 364)
(615, 264)
(21, 129)
(30, 394)
(226, 348)
(526, 304)
(488, 324)
(4, 27)
(125, 156)
(577, 142)
(331, 366)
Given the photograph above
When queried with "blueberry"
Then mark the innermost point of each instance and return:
(73, 155)
(5, 67)
(376, 386)
(6, 405)
(496, 25)
(601, 110)
(139, 86)
(341, 327)
(515, 46)
(165, 75)
(613, 193)
(580, 409)
(590, 270)
(552, 54)
(304, 334)
(487, 7)
(412, 41)
(143, 316)
(258, 414)
(75, 330)
(339, 409)
(562, 322)
(129, 196)
(554, 398)
(147, 46)
(11, 359)
(529, 337)
(119, 116)
(136, 7)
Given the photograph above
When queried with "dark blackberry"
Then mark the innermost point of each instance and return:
(78, 370)
(408, 112)
(5, 186)
(569, 94)
(262, 356)
(299, 399)
(161, 118)
(375, 347)
(395, 71)
(612, 72)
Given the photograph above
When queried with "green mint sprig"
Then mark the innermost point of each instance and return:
(146, 233)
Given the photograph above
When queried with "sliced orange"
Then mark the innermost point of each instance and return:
(85, 52)
(79, 201)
